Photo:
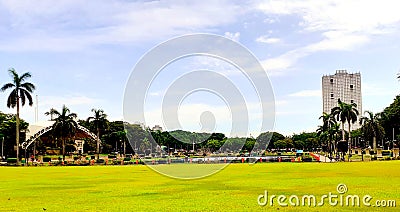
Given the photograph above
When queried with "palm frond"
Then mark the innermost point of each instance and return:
(12, 99)
(25, 76)
(7, 86)
(28, 86)
(22, 97)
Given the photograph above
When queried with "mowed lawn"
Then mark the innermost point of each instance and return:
(235, 188)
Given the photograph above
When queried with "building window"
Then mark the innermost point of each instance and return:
(332, 95)
(351, 86)
(331, 80)
(352, 101)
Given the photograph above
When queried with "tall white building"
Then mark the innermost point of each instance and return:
(343, 86)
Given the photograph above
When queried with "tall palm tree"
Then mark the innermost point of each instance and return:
(99, 119)
(345, 112)
(328, 121)
(20, 92)
(64, 125)
(329, 136)
(371, 126)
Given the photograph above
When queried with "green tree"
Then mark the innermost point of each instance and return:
(371, 127)
(250, 142)
(7, 129)
(135, 134)
(64, 126)
(99, 119)
(299, 144)
(284, 143)
(345, 112)
(20, 92)
(145, 144)
(268, 139)
(390, 118)
(281, 144)
(214, 144)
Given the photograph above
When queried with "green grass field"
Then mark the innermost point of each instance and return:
(236, 188)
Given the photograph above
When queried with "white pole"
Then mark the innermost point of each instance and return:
(2, 145)
(393, 139)
(37, 109)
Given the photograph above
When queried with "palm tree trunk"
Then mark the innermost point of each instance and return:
(343, 134)
(17, 131)
(349, 141)
(98, 143)
(63, 148)
(125, 147)
(374, 143)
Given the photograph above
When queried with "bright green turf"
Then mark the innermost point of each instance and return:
(236, 188)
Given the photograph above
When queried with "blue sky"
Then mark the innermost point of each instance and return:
(81, 53)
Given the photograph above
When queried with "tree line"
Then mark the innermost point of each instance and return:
(123, 137)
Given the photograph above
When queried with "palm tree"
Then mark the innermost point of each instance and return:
(371, 126)
(99, 119)
(51, 113)
(333, 135)
(329, 136)
(345, 112)
(328, 120)
(326, 131)
(20, 92)
(64, 125)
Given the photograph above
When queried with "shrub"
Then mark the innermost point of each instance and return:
(307, 159)
(11, 160)
(46, 160)
(100, 160)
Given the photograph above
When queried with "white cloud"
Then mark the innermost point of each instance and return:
(307, 93)
(366, 16)
(233, 36)
(335, 40)
(266, 39)
(75, 25)
(278, 65)
(342, 25)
